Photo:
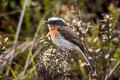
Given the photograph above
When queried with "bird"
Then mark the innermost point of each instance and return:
(65, 38)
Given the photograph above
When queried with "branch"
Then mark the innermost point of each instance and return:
(113, 70)
(20, 22)
(18, 31)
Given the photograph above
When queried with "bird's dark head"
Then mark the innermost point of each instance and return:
(56, 22)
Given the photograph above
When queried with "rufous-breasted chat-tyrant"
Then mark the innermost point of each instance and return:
(63, 36)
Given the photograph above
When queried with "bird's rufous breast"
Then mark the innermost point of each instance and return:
(53, 31)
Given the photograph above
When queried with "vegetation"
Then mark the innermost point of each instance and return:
(25, 41)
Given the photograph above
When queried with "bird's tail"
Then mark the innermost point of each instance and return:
(87, 60)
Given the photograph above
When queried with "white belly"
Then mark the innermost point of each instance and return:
(63, 43)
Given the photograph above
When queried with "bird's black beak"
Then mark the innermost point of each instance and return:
(46, 22)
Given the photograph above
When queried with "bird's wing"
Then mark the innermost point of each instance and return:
(68, 34)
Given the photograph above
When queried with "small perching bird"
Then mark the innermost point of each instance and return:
(63, 36)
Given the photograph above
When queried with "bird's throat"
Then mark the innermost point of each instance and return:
(53, 31)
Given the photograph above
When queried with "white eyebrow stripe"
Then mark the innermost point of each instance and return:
(56, 18)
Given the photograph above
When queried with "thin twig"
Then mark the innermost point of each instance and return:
(108, 46)
(20, 22)
(9, 13)
(18, 31)
(108, 59)
(113, 70)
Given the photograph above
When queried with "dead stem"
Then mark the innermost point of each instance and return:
(113, 70)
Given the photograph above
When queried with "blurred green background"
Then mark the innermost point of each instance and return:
(38, 9)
